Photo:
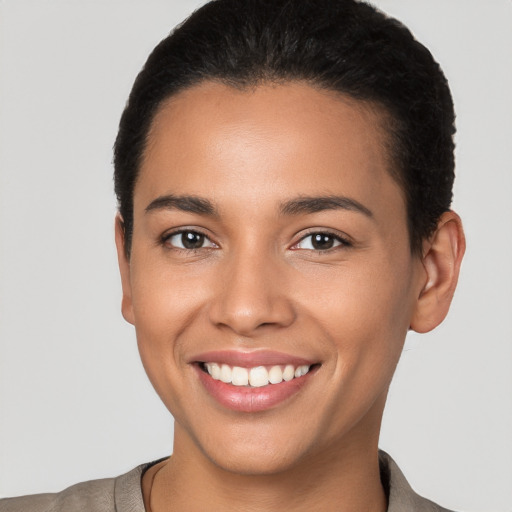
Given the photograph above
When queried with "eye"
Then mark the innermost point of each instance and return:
(321, 242)
(188, 240)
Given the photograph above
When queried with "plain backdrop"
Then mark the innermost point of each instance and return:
(75, 403)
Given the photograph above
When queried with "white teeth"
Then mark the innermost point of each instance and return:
(275, 375)
(225, 373)
(289, 372)
(258, 377)
(240, 376)
(254, 377)
(301, 370)
(213, 370)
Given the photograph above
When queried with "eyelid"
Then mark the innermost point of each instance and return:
(344, 240)
(165, 237)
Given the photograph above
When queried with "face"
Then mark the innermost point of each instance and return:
(270, 249)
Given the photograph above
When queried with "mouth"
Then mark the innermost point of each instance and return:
(255, 377)
(253, 382)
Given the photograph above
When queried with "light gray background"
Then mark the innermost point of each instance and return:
(74, 401)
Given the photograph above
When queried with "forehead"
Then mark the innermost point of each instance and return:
(270, 142)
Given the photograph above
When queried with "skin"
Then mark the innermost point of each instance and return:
(257, 283)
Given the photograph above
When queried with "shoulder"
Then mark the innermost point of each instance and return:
(96, 495)
(106, 495)
(401, 496)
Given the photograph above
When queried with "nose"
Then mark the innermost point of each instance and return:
(252, 296)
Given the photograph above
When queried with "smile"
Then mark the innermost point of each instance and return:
(255, 377)
(253, 382)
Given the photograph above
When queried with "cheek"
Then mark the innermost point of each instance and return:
(165, 298)
(365, 312)
(165, 304)
(362, 297)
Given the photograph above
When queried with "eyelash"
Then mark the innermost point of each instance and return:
(339, 241)
(165, 240)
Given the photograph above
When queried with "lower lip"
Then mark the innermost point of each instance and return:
(248, 399)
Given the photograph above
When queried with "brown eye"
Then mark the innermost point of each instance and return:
(321, 242)
(189, 240)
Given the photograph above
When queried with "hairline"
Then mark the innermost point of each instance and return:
(386, 123)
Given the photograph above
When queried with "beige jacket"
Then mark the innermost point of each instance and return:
(123, 494)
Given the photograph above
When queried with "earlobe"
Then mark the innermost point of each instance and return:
(441, 260)
(124, 269)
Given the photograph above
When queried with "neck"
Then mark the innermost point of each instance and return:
(347, 478)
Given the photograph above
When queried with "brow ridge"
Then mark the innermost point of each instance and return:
(298, 206)
(192, 204)
(314, 204)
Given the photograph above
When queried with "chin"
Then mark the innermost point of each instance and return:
(254, 462)
(252, 447)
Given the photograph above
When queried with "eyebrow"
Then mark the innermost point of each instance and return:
(192, 204)
(305, 205)
(301, 205)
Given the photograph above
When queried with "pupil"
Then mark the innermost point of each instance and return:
(322, 241)
(192, 240)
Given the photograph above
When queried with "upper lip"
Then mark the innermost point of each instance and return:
(250, 359)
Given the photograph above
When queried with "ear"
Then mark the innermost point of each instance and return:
(124, 269)
(442, 256)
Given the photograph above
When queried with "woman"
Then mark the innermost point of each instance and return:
(284, 175)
